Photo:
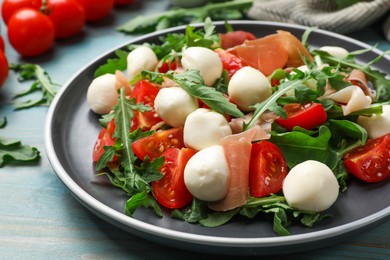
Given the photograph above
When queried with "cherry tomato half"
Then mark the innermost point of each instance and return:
(157, 143)
(171, 191)
(68, 17)
(306, 116)
(30, 32)
(144, 92)
(9, 7)
(104, 139)
(371, 162)
(3, 68)
(230, 62)
(267, 169)
(96, 10)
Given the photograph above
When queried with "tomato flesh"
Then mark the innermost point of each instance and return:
(306, 116)
(371, 162)
(267, 169)
(104, 139)
(144, 92)
(156, 144)
(171, 191)
(230, 62)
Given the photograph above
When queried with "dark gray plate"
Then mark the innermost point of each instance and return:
(71, 130)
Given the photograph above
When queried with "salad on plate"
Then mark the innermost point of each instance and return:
(208, 126)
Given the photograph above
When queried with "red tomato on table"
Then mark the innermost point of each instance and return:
(96, 9)
(306, 116)
(267, 169)
(104, 139)
(68, 17)
(171, 191)
(9, 7)
(157, 143)
(146, 93)
(371, 162)
(3, 68)
(30, 32)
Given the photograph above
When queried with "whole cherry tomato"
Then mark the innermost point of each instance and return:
(9, 7)
(2, 46)
(96, 10)
(68, 17)
(3, 68)
(123, 2)
(30, 32)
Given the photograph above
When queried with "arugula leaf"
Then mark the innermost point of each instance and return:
(119, 63)
(193, 84)
(3, 122)
(179, 16)
(193, 214)
(42, 83)
(13, 151)
(298, 146)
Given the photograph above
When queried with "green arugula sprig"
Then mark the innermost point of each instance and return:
(41, 83)
(13, 151)
(128, 174)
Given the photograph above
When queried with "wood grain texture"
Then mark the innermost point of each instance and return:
(40, 219)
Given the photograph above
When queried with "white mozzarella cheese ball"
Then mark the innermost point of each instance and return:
(102, 94)
(174, 104)
(206, 174)
(335, 51)
(139, 59)
(204, 128)
(247, 87)
(376, 125)
(205, 60)
(311, 186)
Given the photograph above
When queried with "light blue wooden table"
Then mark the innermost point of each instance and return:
(39, 219)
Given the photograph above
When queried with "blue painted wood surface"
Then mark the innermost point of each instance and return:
(39, 219)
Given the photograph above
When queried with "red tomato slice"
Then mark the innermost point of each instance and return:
(144, 92)
(155, 145)
(371, 162)
(171, 191)
(104, 139)
(230, 62)
(306, 116)
(267, 169)
(231, 39)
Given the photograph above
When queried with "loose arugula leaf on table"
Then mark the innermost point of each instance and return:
(227, 10)
(41, 83)
(13, 151)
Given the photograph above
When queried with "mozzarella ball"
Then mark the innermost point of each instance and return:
(376, 125)
(139, 59)
(311, 186)
(335, 51)
(204, 128)
(247, 87)
(102, 94)
(174, 104)
(206, 174)
(205, 60)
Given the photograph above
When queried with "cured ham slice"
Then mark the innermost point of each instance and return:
(271, 52)
(353, 99)
(237, 150)
(358, 77)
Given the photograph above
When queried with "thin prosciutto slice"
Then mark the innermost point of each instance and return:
(271, 52)
(237, 149)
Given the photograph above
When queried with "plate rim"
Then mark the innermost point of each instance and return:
(92, 203)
